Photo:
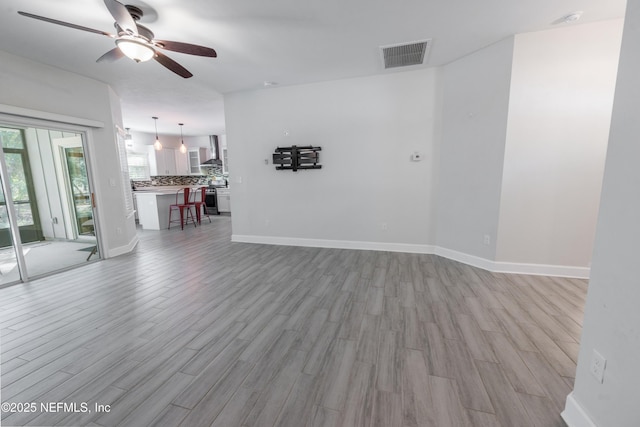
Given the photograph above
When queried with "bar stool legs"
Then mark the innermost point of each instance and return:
(182, 205)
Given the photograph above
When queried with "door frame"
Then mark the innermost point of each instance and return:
(62, 172)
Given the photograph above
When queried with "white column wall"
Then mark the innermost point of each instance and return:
(475, 106)
(612, 316)
(562, 85)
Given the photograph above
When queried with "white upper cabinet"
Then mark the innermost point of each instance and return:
(162, 162)
(196, 157)
(182, 163)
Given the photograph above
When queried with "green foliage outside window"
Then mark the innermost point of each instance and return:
(13, 147)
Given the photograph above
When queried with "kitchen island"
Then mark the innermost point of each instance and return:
(153, 205)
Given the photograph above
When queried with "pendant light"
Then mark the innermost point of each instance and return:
(183, 148)
(156, 144)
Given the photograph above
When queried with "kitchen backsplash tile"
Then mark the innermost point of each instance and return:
(173, 180)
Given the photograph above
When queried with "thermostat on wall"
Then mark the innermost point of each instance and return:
(416, 156)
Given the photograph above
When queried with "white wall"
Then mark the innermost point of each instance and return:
(562, 85)
(475, 105)
(367, 128)
(514, 135)
(30, 85)
(612, 315)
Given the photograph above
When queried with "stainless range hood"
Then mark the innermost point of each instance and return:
(215, 152)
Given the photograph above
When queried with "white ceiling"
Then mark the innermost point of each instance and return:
(284, 41)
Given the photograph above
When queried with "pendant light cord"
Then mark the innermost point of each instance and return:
(157, 144)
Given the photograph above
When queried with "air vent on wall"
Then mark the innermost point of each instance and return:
(402, 55)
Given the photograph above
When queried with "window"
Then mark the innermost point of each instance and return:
(138, 166)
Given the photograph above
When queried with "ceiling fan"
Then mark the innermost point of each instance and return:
(134, 40)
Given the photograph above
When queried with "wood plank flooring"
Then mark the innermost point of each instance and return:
(192, 330)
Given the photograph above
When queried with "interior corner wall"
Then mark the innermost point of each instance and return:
(561, 96)
(29, 85)
(611, 315)
(368, 191)
(474, 122)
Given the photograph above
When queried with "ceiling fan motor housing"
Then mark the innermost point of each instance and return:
(135, 12)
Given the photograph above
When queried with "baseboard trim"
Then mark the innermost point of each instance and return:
(485, 264)
(336, 244)
(542, 270)
(121, 250)
(574, 415)
(472, 260)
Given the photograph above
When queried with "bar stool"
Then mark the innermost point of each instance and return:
(182, 204)
(201, 206)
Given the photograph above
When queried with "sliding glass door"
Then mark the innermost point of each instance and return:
(47, 222)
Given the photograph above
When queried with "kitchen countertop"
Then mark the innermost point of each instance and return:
(153, 205)
(166, 189)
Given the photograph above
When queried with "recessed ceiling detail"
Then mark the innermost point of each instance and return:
(406, 54)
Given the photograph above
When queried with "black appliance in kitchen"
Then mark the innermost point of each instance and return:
(211, 197)
(211, 200)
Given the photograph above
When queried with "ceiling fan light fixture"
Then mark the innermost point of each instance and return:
(138, 51)
(134, 40)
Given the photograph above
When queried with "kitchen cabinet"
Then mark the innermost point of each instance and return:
(182, 163)
(162, 162)
(196, 157)
(224, 199)
(225, 161)
(168, 161)
(223, 156)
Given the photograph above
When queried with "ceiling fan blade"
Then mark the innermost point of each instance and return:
(172, 65)
(113, 55)
(191, 49)
(122, 16)
(66, 24)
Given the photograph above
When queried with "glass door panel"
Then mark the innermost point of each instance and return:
(80, 193)
(21, 185)
(9, 269)
(21, 190)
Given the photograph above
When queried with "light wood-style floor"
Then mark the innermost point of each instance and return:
(193, 330)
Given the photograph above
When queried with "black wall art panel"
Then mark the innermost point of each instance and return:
(295, 158)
